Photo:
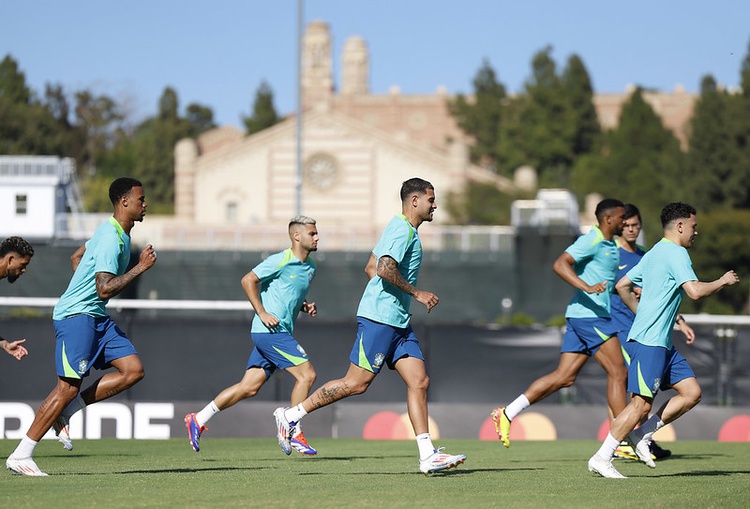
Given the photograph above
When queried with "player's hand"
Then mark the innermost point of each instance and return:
(310, 308)
(430, 300)
(148, 257)
(15, 349)
(637, 290)
(688, 332)
(597, 288)
(730, 278)
(269, 320)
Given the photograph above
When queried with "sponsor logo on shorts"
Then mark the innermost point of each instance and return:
(657, 384)
(83, 366)
(379, 358)
(301, 350)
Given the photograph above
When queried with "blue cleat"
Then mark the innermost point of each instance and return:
(194, 431)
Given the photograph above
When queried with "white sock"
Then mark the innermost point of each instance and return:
(295, 413)
(518, 405)
(424, 443)
(648, 428)
(74, 406)
(205, 415)
(607, 450)
(25, 449)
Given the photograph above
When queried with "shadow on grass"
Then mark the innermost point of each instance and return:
(165, 471)
(703, 473)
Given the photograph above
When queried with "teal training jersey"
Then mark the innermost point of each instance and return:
(661, 273)
(284, 283)
(382, 302)
(596, 262)
(108, 250)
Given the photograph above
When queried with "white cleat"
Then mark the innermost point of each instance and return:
(642, 450)
(440, 461)
(24, 466)
(61, 430)
(604, 468)
(284, 430)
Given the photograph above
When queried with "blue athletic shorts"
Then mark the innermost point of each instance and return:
(275, 350)
(587, 335)
(377, 343)
(654, 367)
(628, 349)
(85, 341)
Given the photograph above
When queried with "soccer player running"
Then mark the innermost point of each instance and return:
(665, 275)
(86, 336)
(590, 266)
(630, 254)
(277, 289)
(15, 256)
(384, 332)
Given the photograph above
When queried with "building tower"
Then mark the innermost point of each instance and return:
(355, 72)
(317, 65)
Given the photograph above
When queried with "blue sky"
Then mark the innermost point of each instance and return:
(217, 53)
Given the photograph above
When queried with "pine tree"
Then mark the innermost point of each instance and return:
(481, 116)
(264, 114)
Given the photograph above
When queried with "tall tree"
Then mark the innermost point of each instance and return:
(714, 166)
(481, 116)
(640, 162)
(264, 114)
(148, 153)
(99, 118)
(548, 134)
(27, 126)
(580, 96)
(13, 82)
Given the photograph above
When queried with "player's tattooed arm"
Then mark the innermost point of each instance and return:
(108, 285)
(388, 270)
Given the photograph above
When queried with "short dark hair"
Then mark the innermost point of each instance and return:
(414, 185)
(16, 245)
(605, 206)
(631, 211)
(674, 211)
(121, 187)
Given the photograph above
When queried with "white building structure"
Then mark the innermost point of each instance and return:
(39, 197)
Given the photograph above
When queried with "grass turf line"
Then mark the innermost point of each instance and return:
(370, 474)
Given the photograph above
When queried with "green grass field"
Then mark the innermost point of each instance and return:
(362, 474)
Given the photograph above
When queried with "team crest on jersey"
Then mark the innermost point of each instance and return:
(657, 384)
(83, 366)
(301, 350)
(379, 358)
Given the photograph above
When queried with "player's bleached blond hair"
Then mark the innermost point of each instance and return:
(300, 220)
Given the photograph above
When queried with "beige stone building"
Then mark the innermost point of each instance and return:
(357, 148)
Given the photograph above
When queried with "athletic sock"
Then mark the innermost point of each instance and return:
(295, 413)
(25, 449)
(74, 406)
(205, 415)
(518, 405)
(648, 428)
(424, 443)
(607, 449)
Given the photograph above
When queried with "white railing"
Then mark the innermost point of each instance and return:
(169, 234)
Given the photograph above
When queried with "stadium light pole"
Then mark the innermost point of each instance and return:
(300, 5)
